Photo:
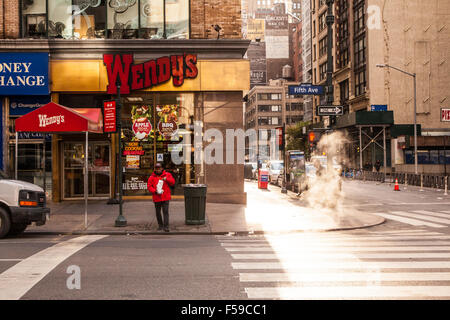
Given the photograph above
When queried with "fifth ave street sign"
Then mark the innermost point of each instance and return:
(330, 110)
(306, 89)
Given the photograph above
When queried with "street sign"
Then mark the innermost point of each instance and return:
(305, 89)
(109, 116)
(330, 110)
(378, 107)
(445, 115)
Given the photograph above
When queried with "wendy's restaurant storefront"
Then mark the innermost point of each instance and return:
(166, 87)
(24, 87)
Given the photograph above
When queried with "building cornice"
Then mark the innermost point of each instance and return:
(88, 49)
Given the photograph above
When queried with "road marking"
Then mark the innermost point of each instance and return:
(410, 221)
(402, 231)
(19, 279)
(343, 277)
(431, 213)
(295, 265)
(344, 249)
(305, 256)
(422, 217)
(314, 240)
(10, 260)
(351, 292)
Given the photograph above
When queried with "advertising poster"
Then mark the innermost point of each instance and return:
(167, 122)
(132, 162)
(141, 117)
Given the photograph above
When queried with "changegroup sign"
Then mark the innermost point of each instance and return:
(24, 73)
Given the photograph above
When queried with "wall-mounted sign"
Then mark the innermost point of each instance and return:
(20, 105)
(109, 116)
(24, 73)
(378, 107)
(305, 89)
(135, 184)
(445, 114)
(148, 74)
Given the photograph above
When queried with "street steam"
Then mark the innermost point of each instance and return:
(325, 192)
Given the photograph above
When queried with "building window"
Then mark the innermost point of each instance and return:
(323, 46)
(322, 22)
(344, 91)
(359, 18)
(34, 16)
(323, 71)
(360, 52)
(296, 106)
(360, 82)
(116, 19)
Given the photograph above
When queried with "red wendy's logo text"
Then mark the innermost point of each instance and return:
(148, 74)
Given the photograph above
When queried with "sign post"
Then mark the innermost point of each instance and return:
(120, 221)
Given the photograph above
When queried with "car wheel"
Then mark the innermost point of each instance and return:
(5, 223)
(17, 228)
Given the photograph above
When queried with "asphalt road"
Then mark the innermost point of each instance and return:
(408, 257)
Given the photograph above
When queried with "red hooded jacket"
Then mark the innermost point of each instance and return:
(153, 182)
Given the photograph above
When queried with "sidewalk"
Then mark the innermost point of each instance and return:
(267, 211)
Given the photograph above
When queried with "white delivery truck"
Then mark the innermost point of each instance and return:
(21, 203)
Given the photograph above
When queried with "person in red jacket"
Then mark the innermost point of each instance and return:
(159, 185)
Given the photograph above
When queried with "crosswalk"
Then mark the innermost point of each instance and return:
(419, 217)
(399, 264)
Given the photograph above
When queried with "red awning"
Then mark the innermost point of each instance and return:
(53, 117)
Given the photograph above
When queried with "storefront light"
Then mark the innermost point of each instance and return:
(135, 99)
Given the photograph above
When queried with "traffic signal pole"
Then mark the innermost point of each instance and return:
(329, 88)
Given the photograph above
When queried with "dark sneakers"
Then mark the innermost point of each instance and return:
(166, 229)
(160, 228)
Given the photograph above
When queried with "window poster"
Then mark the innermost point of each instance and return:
(141, 117)
(168, 122)
(132, 162)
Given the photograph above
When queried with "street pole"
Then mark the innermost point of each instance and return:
(120, 221)
(283, 189)
(329, 89)
(415, 124)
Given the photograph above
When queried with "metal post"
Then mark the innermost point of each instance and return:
(16, 162)
(120, 221)
(283, 189)
(360, 149)
(415, 124)
(384, 146)
(164, 21)
(446, 186)
(421, 182)
(45, 173)
(86, 172)
(329, 89)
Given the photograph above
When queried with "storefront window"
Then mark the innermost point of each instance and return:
(123, 19)
(153, 128)
(177, 19)
(34, 19)
(152, 19)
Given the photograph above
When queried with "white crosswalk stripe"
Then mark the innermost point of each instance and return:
(395, 264)
(419, 217)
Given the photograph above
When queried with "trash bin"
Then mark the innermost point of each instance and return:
(195, 203)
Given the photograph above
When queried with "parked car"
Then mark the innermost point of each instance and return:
(21, 203)
(275, 168)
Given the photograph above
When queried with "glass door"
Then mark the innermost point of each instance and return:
(98, 170)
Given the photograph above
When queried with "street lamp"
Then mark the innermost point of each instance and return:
(415, 108)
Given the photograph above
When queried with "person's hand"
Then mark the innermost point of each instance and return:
(164, 179)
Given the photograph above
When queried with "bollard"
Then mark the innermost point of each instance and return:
(445, 184)
(406, 181)
(421, 182)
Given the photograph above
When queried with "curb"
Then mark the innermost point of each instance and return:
(230, 233)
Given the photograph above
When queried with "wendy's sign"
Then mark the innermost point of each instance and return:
(148, 74)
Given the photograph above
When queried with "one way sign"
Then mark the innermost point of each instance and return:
(330, 110)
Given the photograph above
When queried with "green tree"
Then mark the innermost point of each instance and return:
(296, 140)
